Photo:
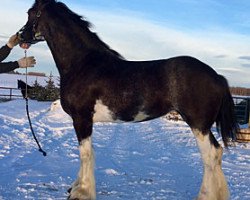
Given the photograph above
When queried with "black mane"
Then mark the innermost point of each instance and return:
(80, 20)
(63, 10)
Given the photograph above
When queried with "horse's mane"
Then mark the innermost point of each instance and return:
(82, 23)
(80, 20)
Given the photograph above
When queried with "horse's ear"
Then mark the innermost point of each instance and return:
(40, 2)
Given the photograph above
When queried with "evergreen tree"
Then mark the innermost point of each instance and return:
(52, 92)
(37, 91)
(48, 93)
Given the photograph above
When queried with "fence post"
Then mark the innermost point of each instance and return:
(10, 93)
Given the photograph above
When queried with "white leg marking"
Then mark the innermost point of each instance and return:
(214, 185)
(84, 187)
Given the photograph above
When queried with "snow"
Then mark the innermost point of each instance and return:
(155, 160)
(10, 80)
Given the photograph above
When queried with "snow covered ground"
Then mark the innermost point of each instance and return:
(10, 80)
(153, 160)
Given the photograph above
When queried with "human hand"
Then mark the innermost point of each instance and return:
(26, 62)
(25, 45)
(13, 41)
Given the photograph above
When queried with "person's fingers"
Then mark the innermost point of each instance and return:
(27, 62)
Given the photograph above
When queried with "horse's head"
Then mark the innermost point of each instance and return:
(32, 31)
(19, 83)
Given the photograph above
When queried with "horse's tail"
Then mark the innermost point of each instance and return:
(226, 120)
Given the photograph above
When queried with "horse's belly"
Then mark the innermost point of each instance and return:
(103, 114)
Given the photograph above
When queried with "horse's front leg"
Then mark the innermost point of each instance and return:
(84, 187)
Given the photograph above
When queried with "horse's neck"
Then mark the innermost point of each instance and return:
(67, 47)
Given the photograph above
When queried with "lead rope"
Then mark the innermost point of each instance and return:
(27, 108)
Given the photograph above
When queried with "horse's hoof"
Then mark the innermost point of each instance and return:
(77, 198)
(69, 190)
(72, 199)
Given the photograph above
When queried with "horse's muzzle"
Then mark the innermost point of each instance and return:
(32, 38)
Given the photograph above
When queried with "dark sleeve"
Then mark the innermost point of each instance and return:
(4, 52)
(8, 66)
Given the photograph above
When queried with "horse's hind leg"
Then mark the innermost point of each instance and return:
(214, 185)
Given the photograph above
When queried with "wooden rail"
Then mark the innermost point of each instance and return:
(10, 93)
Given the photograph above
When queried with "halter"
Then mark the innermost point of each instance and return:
(36, 36)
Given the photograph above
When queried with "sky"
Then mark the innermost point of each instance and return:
(215, 31)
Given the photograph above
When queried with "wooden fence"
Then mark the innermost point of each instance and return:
(9, 93)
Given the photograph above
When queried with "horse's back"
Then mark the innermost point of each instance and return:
(178, 77)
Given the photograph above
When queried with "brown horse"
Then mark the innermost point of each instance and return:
(98, 85)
